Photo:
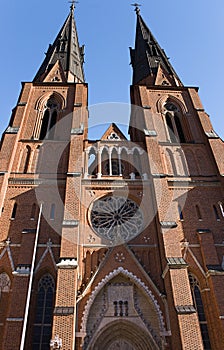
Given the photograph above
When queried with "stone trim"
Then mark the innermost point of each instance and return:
(67, 263)
(70, 223)
(185, 309)
(64, 310)
(168, 224)
(14, 319)
(150, 132)
(136, 280)
(203, 230)
(176, 262)
(29, 230)
(74, 174)
(11, 130)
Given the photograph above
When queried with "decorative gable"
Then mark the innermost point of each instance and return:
(163, 78)
(113, 133)
(56, 74)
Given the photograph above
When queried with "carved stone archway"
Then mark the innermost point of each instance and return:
(122, 335)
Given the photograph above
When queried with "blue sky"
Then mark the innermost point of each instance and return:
(191, 32)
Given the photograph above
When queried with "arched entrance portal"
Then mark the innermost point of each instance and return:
(123, 335)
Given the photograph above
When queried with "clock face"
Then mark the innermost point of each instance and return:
(118, 219)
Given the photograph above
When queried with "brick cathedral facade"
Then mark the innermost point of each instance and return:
(114, 243)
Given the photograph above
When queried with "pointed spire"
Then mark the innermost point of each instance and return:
(147, 56)
(66, 50)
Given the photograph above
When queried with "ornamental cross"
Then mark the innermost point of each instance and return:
(136, 5)
(73, 3)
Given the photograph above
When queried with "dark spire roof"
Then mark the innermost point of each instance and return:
(66, 50)
(147, 56)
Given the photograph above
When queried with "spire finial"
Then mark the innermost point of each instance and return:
(137, 9)
(73, 3)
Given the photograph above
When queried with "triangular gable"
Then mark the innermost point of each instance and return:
(163, 78)
(113, 133)
(56, 74)
(120, 256)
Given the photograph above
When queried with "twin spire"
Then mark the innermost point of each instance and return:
(148, 59)
(150, 64)
(65, 51)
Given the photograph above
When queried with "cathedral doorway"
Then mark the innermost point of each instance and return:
(123, 335)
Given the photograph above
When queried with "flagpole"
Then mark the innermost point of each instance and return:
(22, 344)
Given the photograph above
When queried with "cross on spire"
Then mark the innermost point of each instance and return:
(136, 5)
(73, 3)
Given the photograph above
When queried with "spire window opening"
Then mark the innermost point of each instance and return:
(198, 304)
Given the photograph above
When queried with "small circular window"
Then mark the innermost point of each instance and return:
(118, 219)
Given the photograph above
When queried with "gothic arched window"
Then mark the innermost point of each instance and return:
(198, 304)
(49, 120)
(44, 313)
(173, 119)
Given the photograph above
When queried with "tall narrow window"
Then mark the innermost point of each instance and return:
(49, 120)
(179, 129)
(216, 213)
(180, 213)
(33, 212)
(105, 162)
(44, 313)
(44, 127)
(92, 162)
(52, 212)
(173, 118)
(14, 210)
(5, 284)
(170, 128)
(198, 212)
(52, 125)
(137, 163)
(115, 166)
(200, 310)
(27, 159)
(221, 208)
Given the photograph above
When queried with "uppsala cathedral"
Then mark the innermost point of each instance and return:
(115, 243)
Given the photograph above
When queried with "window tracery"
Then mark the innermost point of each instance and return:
(44, 313)
(198, 303)
(173, 118)
(117, 219)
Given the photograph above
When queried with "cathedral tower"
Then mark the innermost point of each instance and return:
(112, 243)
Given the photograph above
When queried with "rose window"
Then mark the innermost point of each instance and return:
(117, 219)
